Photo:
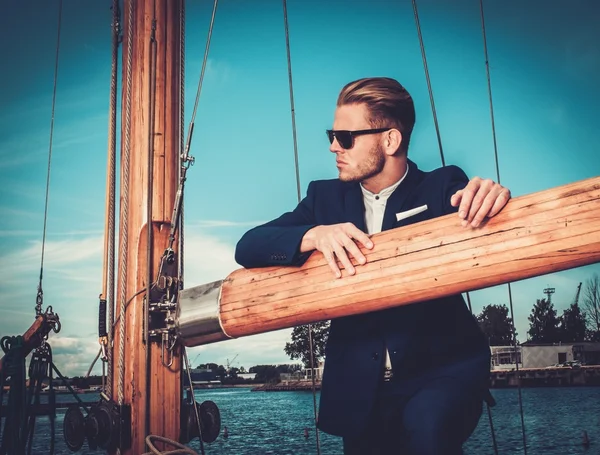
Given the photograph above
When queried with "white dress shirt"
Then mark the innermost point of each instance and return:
(374, 211)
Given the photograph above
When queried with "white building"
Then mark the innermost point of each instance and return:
(542, 355)
(506, 358)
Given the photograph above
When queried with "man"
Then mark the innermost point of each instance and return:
(410, 379)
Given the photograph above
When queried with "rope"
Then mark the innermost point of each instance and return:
(181, 133)
(514, 333)
(186, 159)
(108, 279)
(203, 70)
(514, 337)
(89, 371)
(437, 130)
(196, 412)
(180, 448)
(40, 292)
(299, 196)
(493, 433)
(429, 89)
(149, 209)
(489, 84)
(14, 364)
(125, 202)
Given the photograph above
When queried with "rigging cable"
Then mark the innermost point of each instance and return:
(108, 269)
(514, 334)
(429, 89)
(40, 291)
(196, 411)
(149, 208)
(299, 195)
(186, 159)
(180, 249)
(126, 163)
(489, 400)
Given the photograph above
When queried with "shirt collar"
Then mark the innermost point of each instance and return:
(385, 193)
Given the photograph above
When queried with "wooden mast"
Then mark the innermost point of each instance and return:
(152, 389)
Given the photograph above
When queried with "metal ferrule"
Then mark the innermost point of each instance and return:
(198, 318)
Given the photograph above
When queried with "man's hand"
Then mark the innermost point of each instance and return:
(479, 199)
(337, 241)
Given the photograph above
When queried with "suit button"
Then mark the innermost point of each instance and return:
(375, 355)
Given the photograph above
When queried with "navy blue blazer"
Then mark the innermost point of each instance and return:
(427, 339)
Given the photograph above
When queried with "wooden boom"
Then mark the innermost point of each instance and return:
(32, 338)
(536, 234)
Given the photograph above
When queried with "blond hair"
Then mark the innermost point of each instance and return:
(388, 102)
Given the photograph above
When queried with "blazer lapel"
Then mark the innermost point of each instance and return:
(398, 197)
(354, 207)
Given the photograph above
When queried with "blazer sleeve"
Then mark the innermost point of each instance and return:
(277, 243)
(456, 179)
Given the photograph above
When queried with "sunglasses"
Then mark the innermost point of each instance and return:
(346, 138)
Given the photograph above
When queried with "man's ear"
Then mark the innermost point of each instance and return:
(392, 141)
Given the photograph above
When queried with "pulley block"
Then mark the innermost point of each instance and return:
(210, 422)
(74, 428)
(107, 426)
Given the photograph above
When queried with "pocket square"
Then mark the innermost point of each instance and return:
(411, 212)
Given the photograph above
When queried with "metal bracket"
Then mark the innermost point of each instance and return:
(163, 306)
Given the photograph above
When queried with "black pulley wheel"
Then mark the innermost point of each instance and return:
(210, 421)
(74, 428)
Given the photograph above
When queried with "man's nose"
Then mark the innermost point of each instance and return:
(335, 146)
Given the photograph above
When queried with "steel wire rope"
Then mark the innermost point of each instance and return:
(152, 69)
(196, 411)
(184, 159)
(40, 292)
(299, 196)
(181, 268)
(428, 79)
(126, 163)
(435, 120)
(108, 269)
(493, 124)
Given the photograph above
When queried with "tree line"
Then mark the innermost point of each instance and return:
(579, 322)
(264, 373)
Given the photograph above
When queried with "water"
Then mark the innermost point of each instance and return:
(273, 423)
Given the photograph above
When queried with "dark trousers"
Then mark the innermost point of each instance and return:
(435, 418)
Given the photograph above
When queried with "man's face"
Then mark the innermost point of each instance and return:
(366, 157)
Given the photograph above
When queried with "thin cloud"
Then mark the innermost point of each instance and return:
(36, 233)
(72, 279)
(222, 223)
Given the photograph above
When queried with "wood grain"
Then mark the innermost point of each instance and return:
(535, 234)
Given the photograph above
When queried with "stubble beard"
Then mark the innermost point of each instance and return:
(372, 166)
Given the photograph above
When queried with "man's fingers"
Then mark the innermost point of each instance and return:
(353, 249)
(500, 202)
(340, 252)
(483, 194)
(468, 193)
(337, 243)
(456, 198)
(484, 210)
(330, 258)
(354, 233)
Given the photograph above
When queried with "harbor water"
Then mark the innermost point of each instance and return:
(274, 423)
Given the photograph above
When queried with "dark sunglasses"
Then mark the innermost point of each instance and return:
(346, 138)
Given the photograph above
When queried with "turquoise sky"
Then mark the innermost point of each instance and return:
(544, 58)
